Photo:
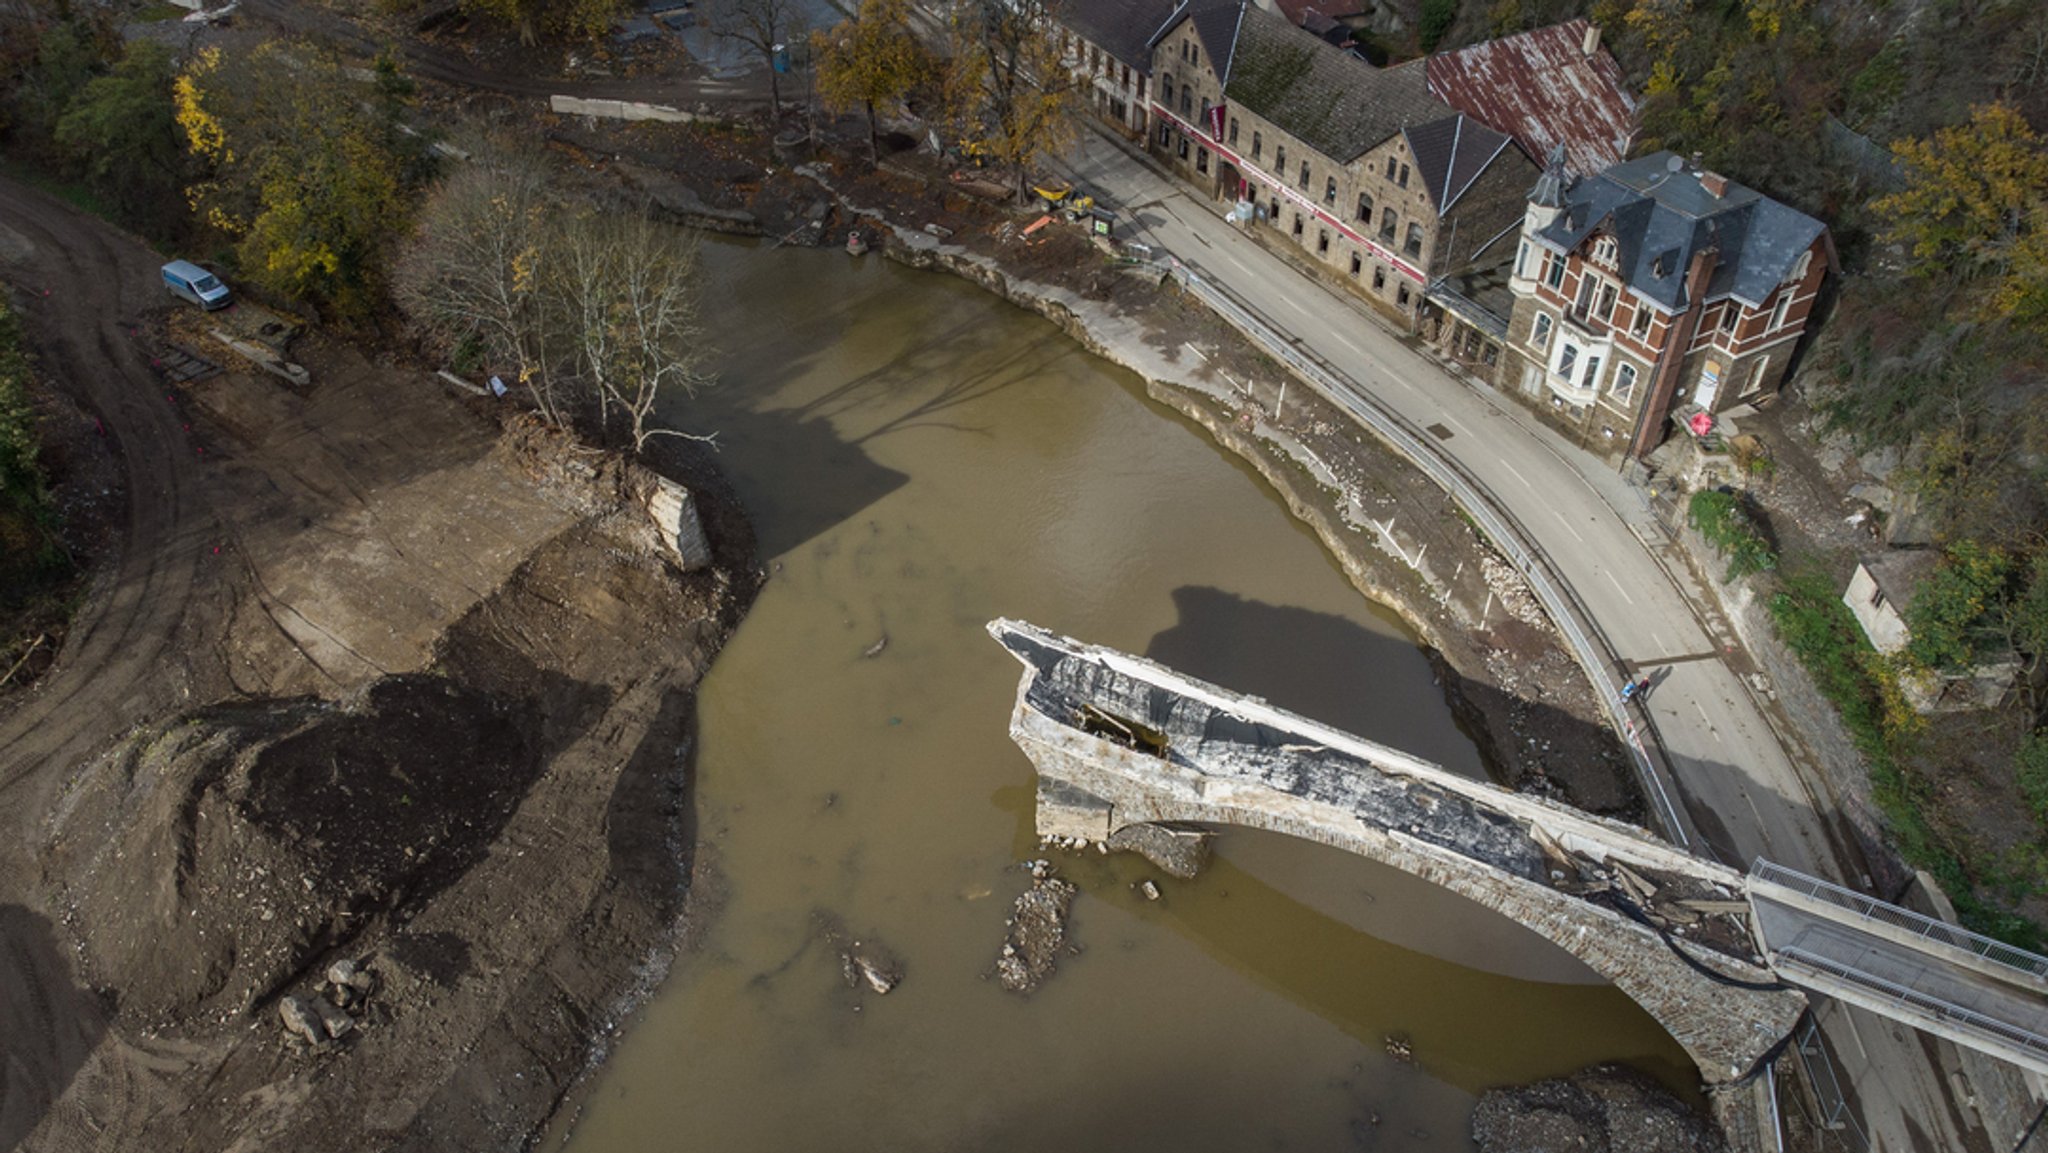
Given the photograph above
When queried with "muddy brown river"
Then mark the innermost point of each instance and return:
(920, 457)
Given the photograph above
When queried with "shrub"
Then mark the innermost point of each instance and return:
(1437, 18)
(1727, 525)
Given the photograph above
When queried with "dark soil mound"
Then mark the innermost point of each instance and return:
(249, 840)
(1605, 1109)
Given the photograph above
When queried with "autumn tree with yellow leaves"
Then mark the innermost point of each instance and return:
(570, 19)
(870, 59)
(1975, 206)
(1007, 89)
(306, 168)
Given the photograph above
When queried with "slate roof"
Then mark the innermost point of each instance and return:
(1216, 23)
(1332, 101)
(1122, 28)
(1660, 214)
(1541, 88)
(1451, 153)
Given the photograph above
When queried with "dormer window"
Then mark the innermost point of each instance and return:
(1606, 251)
(1639, 327)
(1800, 267)
(1661, 267)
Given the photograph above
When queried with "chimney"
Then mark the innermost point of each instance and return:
(1715, 184)
(1697, 158)
(1592, 44)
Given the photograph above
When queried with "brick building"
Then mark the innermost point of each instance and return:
(1655, 291)
(1381, 185)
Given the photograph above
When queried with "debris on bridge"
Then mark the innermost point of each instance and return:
(1121, 743)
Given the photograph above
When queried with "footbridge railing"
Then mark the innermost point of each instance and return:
(1920, 925)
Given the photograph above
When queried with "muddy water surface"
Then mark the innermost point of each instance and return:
(919, 458)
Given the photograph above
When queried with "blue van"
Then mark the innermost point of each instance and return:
(188, 281)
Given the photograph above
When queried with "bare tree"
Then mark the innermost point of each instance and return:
(628, 294)
(764, 26)
(473, 275)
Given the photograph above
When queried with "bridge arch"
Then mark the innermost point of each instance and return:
(1123, 744)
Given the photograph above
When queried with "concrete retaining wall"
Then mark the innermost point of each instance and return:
(618, 110)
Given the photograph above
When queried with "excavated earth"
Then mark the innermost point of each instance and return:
(369, 671)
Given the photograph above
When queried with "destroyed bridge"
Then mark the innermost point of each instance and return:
(1134, 754)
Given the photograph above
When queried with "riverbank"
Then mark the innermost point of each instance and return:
(394, 677)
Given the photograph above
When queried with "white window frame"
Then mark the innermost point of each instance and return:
(1567, 359)
(1621, 392)
(1539, 331)
(1778, 313)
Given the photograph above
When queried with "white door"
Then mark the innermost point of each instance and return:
(1709, 386)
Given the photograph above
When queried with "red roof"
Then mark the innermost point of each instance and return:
(1543, 88)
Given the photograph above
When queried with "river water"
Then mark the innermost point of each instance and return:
(920, 457)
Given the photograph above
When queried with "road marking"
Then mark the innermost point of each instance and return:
(1617, 588)
(1707, 721)
(1658, 638)
(1567, 524)
(1452, 421)
(1518, 476)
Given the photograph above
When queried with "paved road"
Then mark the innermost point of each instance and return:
(1737, 781)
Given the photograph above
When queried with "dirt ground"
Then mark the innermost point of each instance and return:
(366, 673)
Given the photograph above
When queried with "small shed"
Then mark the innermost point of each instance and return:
(1878, 594)
(1880, 591)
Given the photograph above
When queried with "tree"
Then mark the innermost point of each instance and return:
(869, 59)
(627, 288)
(574, 19)
(587, 309)
(762, 25)
(1958, 614)
(1007, 89)
(311, 177)
(1437, 18)
(1974, 206)
(122, 131)
(471, 278)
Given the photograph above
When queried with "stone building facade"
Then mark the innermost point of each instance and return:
(1656, 295)
(1381, 186)
(1107, 46)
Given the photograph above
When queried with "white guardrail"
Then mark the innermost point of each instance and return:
(1595, 656)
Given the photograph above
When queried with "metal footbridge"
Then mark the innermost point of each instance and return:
(1937, 977)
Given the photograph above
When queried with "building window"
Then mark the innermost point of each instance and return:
(1194, 53)
(1799, 269)
(1183, 146)
(1387, 225)
(1204, 122)
(1390, 167)
(1258, 144)
(1322, 241)
(1273, 212)
(1778, 313)
(1166, 90)
(1539, 334)
(1522, 260)
(1165, 134)
(1280, 160)
(1141, 86)
(1624, 383)
(1403, 181)
(1379, 278)
(1297, 226)
(1553, 275)
(1490, 355)
(1605, 250)
(1329, 190)
(1365, 207)
(1414, 245)
(1201, 160)
(1640, 326)
(1304, 176)
(1233, 132)
(1730, 313)
(1756, 375)
(1187, 101)
(1356, 264)
(1183, 52)
(1607, 299)
(1584, 303)
(1401, 295)
(1567, 359)
(1592, 377)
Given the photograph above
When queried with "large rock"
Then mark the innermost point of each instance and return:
(1605, 1109)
